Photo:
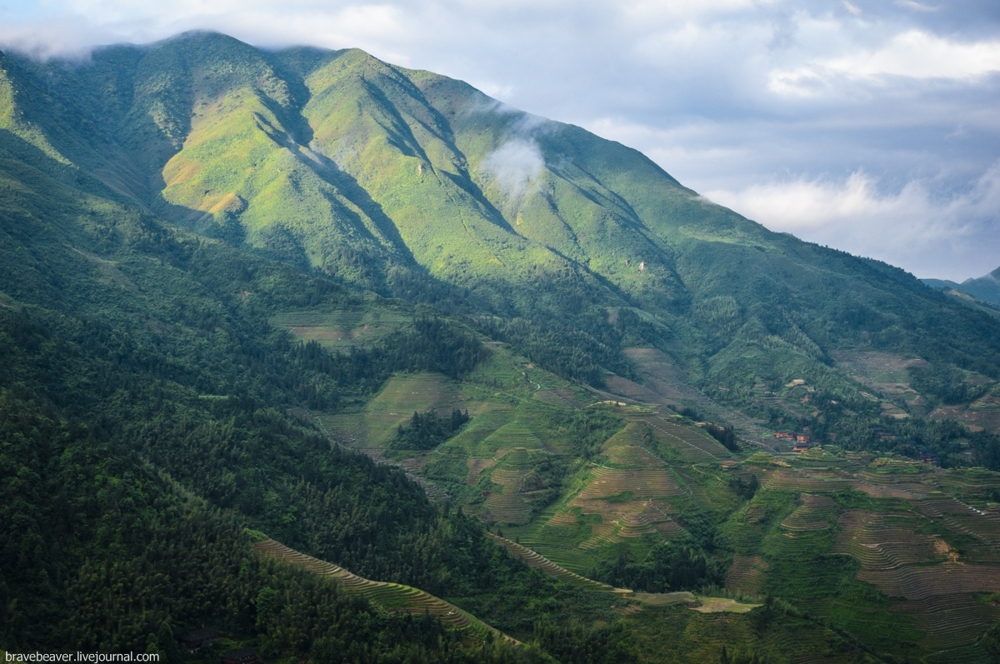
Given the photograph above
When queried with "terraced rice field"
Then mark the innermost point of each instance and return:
(923, 574)
(790, 479)
(802, 648)
(722, 605)
(561, 398)
(909, 485)
(693, 446)
(392, 597)
(700, 604)
(951, 621)
(338, 330)
(813, 513)
(510, 504)
(507, 507)
(880, 544)
(640, 519)
(628, 494)
(603, 535)
(746, 574)
(476, 468)
(919, 583)
(621, 521)
(516, 434)
(537, 560)
(643, 483)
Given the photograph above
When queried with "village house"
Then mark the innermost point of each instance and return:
(193, 641)
(241, 656)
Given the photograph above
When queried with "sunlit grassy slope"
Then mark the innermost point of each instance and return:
(415, 184)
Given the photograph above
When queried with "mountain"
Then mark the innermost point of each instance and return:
(985, 288)
(218, 259)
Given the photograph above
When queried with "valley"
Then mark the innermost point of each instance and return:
(348, 360)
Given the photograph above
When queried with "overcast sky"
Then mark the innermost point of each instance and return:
(872, 126)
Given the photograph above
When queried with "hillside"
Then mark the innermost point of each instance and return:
(370, 313)
(413, 184)
(985, 288)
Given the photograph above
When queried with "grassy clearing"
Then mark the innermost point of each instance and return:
(722, 605)
(402, 395)
(342, 329)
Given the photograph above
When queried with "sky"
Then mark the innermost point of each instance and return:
(869, 126)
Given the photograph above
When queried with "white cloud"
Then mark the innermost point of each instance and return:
(916, 6)
(913, 54)
(912, 227)
(855, 10)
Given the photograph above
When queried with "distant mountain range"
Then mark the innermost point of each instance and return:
(986, 288)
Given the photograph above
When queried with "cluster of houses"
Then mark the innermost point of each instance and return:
(929, 457)
(883, 434)
(923, 454)
(801, 443)
(801, 440)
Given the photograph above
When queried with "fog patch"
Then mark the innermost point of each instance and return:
(515, 166)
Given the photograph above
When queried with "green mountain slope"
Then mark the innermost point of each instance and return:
(409, 182)
(200, 240)
(144, 421)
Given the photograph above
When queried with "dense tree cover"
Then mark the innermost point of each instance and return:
(162, 353)
(990, 641)
(231, 449)
(575, 351)
(586, 430)
(744, 488)
(433, 345)
(726, 435)
(427, 431)
(243, 456)
(858, 425)
(945, 384)
(580, 645)
(668, 567)
(102, 553)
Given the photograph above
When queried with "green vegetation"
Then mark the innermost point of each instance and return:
(427, 431)
(231, 276)
(667, 567)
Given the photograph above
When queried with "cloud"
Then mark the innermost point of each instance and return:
(913, 54)
(514, 166)
(910, 227)
(916, 6)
